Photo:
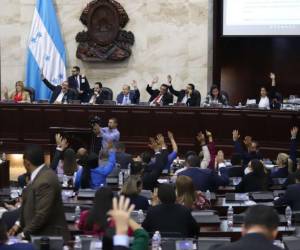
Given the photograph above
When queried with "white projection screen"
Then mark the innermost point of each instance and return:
(261, 17)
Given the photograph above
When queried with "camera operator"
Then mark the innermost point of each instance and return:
(104, 135)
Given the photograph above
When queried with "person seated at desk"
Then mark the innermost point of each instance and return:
(204, 179)
(291, 196)
(61, 93)
(216, 97)
(283, 164)
(4, 241)
(20, 95)
(236, 169)
(168, 217)
(127, 96)
(95, 221)
(259, 230)
(188, 196)
(98, 96)
(159, 97)
(80, 84)
(255, 180)
(92, 175)
(186, 96)
(132, 189)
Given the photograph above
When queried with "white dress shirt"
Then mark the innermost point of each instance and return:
(126, 100)
(60, 97)
(264, 102)
(185, 99)
(35, 172)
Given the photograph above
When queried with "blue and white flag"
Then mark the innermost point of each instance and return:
(46, 51)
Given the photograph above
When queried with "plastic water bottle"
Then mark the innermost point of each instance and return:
(77, 243)
(288, 216)
(140, 217)
(230, 217)
(156, 240)
(77, 214)
(121, 179)
(208, 195)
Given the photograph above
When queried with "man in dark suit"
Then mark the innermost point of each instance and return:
(204, 179)
(169, 218)
(127, 96)
(80, 84)
(122, 158)
(60, 93)
(98, 96)
(188, 96)
(291, 196)
(42, 210)
(159, 97)
(259, 230)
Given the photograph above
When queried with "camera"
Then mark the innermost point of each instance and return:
(95, 120)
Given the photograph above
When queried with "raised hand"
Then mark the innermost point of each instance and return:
(170, 135)
(208, 133)
(272, 76)
(58, 140)
(235, 135)
(160, 140)
(155, 80)
(294, 132)
(169, 79)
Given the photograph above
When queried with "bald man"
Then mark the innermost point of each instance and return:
(128, 96)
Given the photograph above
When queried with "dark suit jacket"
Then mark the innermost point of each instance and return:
(171, 218)
(134, 96)
(84, 86)
(42, 211)
(10, 217)
(70, 95)
(100, 98)
(290, 198)
(123, 159)
(249, 242)
(206, 179)
(153, 171)
(166, 99)
(193, 101)
(253, 183)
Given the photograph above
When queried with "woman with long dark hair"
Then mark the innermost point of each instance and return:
(216, 96)
(256, 180)
(95, 220)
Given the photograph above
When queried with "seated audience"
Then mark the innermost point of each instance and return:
(291, 197)
(236, 169)
(122, 158)
(252, 148)
(132, 189)
(121, 216)
(80, 84)
(212, 149)
(187, 96)
(204, 179)
(127, 96)
(60, 93)
(259, 230)
(4, 241)
(168, 217)
(283, 164)
(188, 196)
(92, 175)
(220, 160)
(216, 97)
(98, 96)
(256, 180)
(20, 95)
(159, 97)
(95, 221)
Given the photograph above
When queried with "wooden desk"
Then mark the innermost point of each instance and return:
(22, 124)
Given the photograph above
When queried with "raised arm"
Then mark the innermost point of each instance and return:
(48, 84)
(173, 142)
(206, 154)
(61, 145)
(149, 86)
(293, 147)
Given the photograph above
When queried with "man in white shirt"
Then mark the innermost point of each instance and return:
(264, 101)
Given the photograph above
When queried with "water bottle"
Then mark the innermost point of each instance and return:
(77, 214)
(208, 195)
(288, 215)
(65, 181)
(230, 217)
(77, 243)
(121, 179)
(156, 241)
(140, 216)
(96, 245)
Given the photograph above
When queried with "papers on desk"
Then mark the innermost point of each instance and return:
(163, 181)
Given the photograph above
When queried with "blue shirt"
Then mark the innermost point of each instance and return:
(17, 246)
(99, 174)
(171, 157)
(109, 135)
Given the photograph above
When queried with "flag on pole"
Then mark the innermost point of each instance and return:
(46, 51)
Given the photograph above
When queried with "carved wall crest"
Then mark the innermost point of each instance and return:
(105, 40)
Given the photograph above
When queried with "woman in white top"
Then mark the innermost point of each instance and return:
(264, 101)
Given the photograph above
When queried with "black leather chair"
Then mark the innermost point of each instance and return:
(109, 92)
(31, 92)
(224, 93)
